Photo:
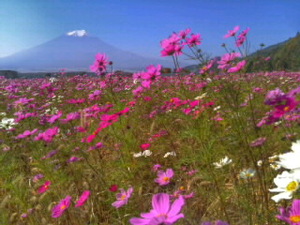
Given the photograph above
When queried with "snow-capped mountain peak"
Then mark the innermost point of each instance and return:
(77, 33)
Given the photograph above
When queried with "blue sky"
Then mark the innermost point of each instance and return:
(139, 25)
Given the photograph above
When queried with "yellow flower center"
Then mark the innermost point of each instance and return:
(63, 207)
(123, 197)
(292, 186)
(166, 179)
(287, 108)
(163, 215)
(295, 219)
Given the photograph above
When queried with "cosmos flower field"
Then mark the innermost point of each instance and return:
(210, 148)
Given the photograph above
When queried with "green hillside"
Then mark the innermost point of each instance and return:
(284, 56)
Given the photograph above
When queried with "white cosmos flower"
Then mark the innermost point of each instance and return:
(275, 166)
(201, 96)
(287, 183)
(170, 154)
(247, 173)
(7, 123)
(52, 79)
(145, 153)
(291, 159)
(259, 163)
(223, 162)
(296, 146)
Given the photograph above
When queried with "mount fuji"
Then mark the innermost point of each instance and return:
(75, 51)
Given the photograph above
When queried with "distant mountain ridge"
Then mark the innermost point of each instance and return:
(75, 50)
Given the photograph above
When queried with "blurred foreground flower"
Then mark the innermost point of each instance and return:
(291, 159)
(287, 183)
(291, 215)
(162, 213)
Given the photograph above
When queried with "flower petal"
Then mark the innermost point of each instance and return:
(161, 203)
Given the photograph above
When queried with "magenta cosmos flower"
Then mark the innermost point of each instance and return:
(26, 133)
(44, 187)
(63, 205)
(164, 178)
(233, 32)
(100, 64)
(122, 198)
(83, 198)
(162, 213)
(291, 215)
(239, 66)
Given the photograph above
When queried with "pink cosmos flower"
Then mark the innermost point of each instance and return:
(258, 142)
(206, 68)
(242, 37)
(267, 58)
(21, 116)
(152, 73)
(76, 101)
(74, 159)
(26, 133)
(83, 198)
(172, 46)
(113, 188)
(100, 64)
(179, 193)
(291, 215)
(183, 34)
(162, 213)
(37, 177)
(55, 117)
(164, 178)
(227, 59)
(146, 83)
(195, 39)
(70, 117)
(145, 146)
(23, 101)
(48, 135)
(238, 67)
(50, 154)
(233, 32)
(97, 146)
(122, 198)
(63, 205)
(95, 95)
(44, 187)
(138, 90)
(156, 167)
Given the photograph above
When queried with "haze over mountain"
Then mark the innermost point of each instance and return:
(75, 51)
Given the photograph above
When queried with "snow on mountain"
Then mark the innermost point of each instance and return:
(77, 33)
